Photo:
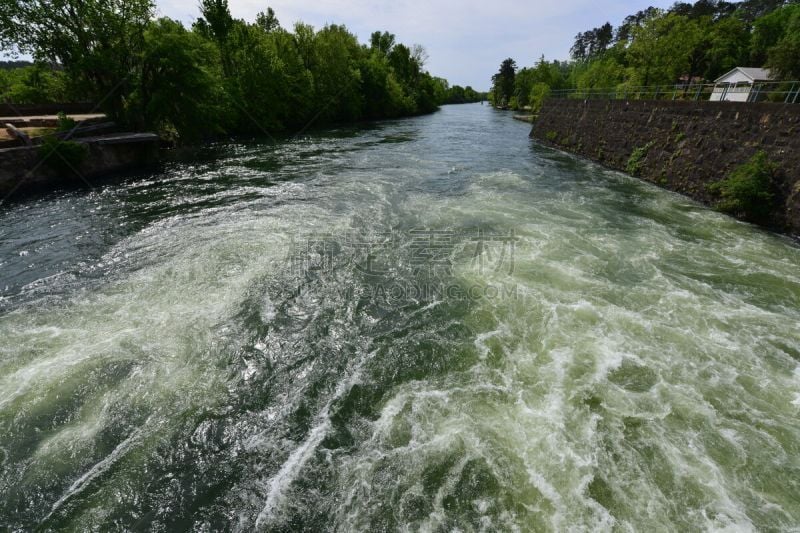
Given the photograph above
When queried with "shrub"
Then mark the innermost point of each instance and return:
(747, 191)
(635, 160)
(551, 136)
(539, 92)
(65, 123)
(63, 156)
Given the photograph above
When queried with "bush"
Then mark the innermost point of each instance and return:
(635, 160)
(747, 191)
(63, 156)
(65, 123)
(539, 92)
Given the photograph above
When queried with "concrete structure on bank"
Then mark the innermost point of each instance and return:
(739, 85)
(682, 146)
(22, 169)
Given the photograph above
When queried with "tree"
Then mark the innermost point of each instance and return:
(538, 93)
(36, 84)
(216, 24)
(728, 46)
(419, 54)
(603, 73)
(775, 40)
(216, 21)
(751, 10)
(503, 82)
(404, 64)
(665, 48)
(271, 89)
(382, 42)
(336, 75)
(624, 32)
(97, 41)
(783, 58)
(442, 89)
(268, 21)
(224, 75)
(179, 87)
(713, 9)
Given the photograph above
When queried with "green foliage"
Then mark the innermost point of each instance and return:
(63, 156)
(529, 83)
(593, 43)
(728, 47)
(96, 41)
(783, 58)
(538, 93)
(337, 78)
(663, 48)
(605, 73)
(225, 75)
(382, 42)
(35, 84)
(551, 136)
(179, 86)
(747, 191)
(634, 164)
(65, 123)
(461, 95)
(503, 83)
(669, 48)
(770, 29)
(268, 21)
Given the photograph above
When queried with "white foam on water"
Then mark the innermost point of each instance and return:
(98, 469)
(632, 384)
(796, 401)
(162, 320)
(282, 480)
(685, 341)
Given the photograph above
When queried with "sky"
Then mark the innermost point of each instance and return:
(465, 39)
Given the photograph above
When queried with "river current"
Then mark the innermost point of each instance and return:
(427, 324)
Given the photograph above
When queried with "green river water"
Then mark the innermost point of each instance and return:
(430, 324)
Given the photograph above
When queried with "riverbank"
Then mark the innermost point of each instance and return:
(686, 147)
(29, 169)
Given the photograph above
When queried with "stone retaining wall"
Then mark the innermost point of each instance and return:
(686, 146)
(22, 169)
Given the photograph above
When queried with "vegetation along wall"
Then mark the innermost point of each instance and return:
(742, 158)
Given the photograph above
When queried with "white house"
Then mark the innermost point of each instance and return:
(741, 84)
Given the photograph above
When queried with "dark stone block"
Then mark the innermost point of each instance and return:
(723, 134)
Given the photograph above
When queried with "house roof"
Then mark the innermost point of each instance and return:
(754, 73)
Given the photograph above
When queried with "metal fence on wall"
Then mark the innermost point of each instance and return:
(787, 92)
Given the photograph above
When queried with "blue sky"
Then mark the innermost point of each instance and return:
(465, 39)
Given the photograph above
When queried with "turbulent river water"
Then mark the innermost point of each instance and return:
(426, 324)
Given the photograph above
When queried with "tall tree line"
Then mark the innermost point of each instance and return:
(688, 42)
(222, 75)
